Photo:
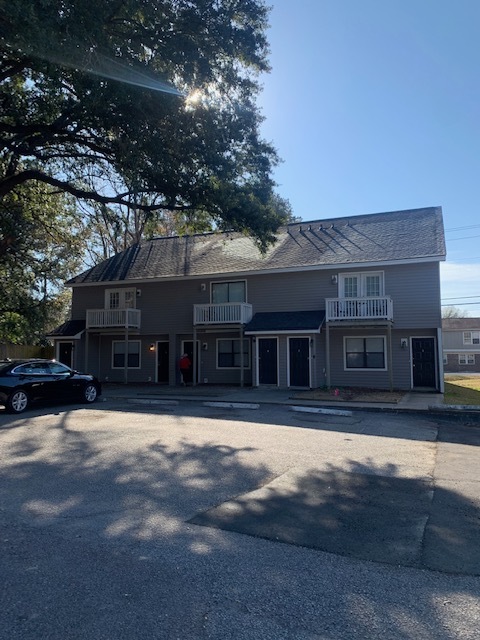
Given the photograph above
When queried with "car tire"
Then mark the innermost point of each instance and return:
(90, 393)
(17, 401)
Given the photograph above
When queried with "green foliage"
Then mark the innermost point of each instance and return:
(38, 251)
(147, 101)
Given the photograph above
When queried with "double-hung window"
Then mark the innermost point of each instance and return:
(118, 354)
(223, 292)
(471, 337)
(365, 353)
(466, 358)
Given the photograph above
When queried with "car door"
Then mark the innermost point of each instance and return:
(62, 385)
(35, 378)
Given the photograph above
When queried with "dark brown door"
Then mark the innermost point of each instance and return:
(163, 354)
(299, 356)
(423, 354)
(267, 361)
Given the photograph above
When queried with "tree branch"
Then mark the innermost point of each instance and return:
(9, 183)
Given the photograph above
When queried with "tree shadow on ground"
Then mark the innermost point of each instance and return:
(83, 484)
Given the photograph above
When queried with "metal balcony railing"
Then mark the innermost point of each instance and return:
(227, 313)
(110, 318)
(379, 308)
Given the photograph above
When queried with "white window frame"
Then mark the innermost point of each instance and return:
(122, 298)
(247, 357)
(139, 342)
(471, 337)
(466, 358)
(362, 283)
(350, 369)
(212, 284)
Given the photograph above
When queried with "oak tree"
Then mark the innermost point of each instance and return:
(148, 104)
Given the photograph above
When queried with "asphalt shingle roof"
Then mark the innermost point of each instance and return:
(397, 235)
(460, 324)
(286, 321)
(68, 329)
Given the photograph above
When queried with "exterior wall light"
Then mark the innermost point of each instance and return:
(334, 279)
(151, 347)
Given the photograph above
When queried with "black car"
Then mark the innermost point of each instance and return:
(25, 381)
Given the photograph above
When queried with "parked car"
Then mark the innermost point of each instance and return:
(26, 381)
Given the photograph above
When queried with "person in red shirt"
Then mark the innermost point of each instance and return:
(186, 369)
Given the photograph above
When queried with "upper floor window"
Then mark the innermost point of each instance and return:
(120, 298)
(223, 292)
(362, 285)
(471, 337)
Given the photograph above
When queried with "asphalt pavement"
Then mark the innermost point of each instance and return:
(186, 513)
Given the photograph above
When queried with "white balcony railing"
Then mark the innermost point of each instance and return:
(380, 308)
(228, 313)
(110, 318)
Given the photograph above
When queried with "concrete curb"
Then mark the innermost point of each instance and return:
(151, 401)
(333, 412)
(310, 405)
(232, 405)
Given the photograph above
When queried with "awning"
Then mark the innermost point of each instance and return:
(72, 329)
(286, 322)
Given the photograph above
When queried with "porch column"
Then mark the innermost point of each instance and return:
(125, 362)
(85, 364)
(194, 358)
(242, 372)
(390, 362)
(441, 373)
(327, 354)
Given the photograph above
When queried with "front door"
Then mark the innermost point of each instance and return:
(267, 361)
(187, 347)
(299, 362)
(423, 362)
(65, 350)
(163, 357)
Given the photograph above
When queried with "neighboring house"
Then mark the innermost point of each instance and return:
(341, 302)
(461, 344)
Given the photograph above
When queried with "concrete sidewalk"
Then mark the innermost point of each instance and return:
(153, 393)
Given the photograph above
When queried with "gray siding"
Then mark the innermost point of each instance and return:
(167, 314)
(454, 340)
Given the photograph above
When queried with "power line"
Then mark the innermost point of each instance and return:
(472, 226)
(461, 304)
(461, 298)
(463, 238)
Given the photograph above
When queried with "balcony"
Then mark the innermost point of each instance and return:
(113, 318)
(227, 313)
(354, 309)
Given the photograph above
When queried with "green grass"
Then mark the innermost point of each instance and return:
(462, 390)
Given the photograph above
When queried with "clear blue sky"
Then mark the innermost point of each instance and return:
(374, 105)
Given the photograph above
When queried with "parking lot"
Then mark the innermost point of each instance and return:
(208, 522)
